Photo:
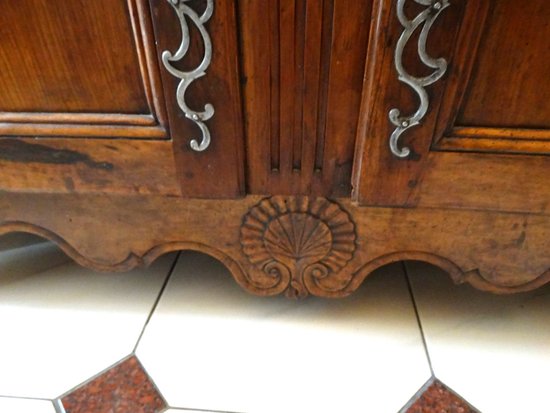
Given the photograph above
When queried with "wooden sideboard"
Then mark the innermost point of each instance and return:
(303, 143)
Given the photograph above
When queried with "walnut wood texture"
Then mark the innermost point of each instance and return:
(286, 81)
(468, 153)
(302, 65)
(500, 108)
(88, 165)
(516, 97)
(79, 69)
(326, 248)
(81, 108)
(90, 70)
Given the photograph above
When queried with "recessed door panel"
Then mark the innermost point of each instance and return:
(78, 69)
(89, 103)
(501, 100)
(456, 111)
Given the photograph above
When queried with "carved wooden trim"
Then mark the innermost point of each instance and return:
(292, 245)
(295, 242)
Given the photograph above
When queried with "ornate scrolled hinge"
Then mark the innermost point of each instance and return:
(418, 84)
(185, 12)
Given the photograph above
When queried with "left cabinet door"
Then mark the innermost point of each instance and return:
(82, 102)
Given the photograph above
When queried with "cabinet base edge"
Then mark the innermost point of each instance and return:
(292, 245)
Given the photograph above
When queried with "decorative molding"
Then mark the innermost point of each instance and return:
(185, 12)
(297, 241)
(418, 84)
(131, 259)
(296, 245)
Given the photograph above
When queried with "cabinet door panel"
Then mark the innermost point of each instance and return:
(87, 104)
(78, 69)
(500, 100)
(81, 107)
(508, 85)
(483, 141)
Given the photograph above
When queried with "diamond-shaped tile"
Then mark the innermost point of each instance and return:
(211, 346)
(475, 338)
(56, 316)
(438, 398)
(125, 388)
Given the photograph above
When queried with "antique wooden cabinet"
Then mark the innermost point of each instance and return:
(303, 143)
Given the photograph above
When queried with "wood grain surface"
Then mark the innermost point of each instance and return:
(218, 172)
(483, 144)
(79, 69)
(299, 192)
(501, 253)
(302, 74)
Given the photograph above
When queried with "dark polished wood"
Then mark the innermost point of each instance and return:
(299, 192)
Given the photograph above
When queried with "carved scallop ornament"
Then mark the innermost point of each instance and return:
(296, 243)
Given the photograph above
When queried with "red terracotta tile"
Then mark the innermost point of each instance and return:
(125, 388)
(437, 398)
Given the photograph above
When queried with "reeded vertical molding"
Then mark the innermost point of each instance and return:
(185, 12)
(418, 84)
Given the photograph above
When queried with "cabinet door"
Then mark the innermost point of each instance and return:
(85, 105)
(198, 54)
(481, 138)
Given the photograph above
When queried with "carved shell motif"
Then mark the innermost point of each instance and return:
(298, 238)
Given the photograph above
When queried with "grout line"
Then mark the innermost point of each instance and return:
(417, 395)
(418, 320)
(155, 305)
(58, 406)
(25, 398)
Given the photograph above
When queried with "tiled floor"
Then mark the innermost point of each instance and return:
(181, 335)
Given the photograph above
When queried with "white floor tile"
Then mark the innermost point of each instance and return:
(212, 346)
(9, 405)
(60, 324)
(492, 350)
